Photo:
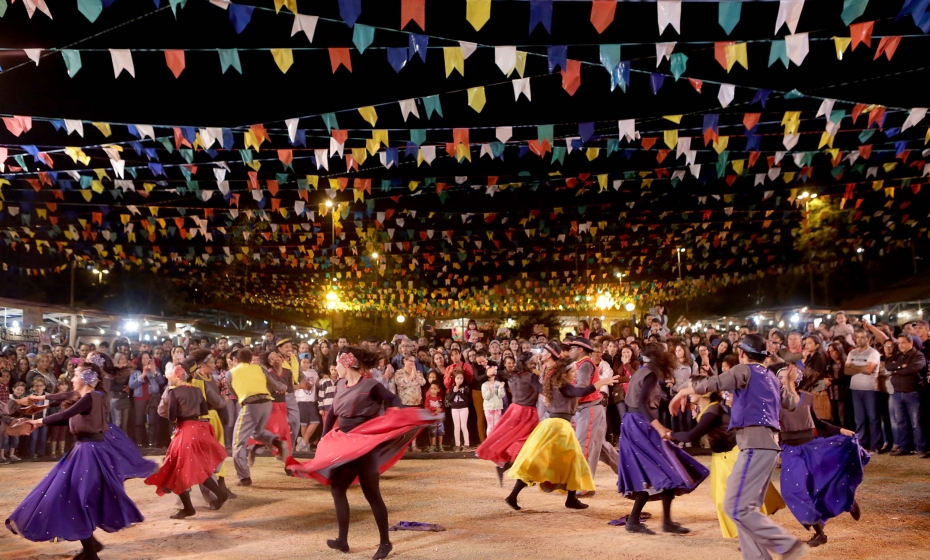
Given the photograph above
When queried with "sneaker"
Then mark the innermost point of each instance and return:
(245, 482)
(885, 449)
(817, 540)
(675, 529)
(432, 449)
(898, 453)
(638, 528)
(925, 455)
(15, 459)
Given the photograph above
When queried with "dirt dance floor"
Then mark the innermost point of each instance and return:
(281, 517)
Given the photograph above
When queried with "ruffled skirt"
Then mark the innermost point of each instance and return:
(504, 444)
(553, 459)
(192, 457)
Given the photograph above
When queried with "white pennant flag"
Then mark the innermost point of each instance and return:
(486, 150)
(34, 55)
(506, 58)
(774, 173)
(790, 141)
(798, 47)
(408, 107)
(206, 194)
(684, 145)
(299, 207)
(759, 180)
(307, 24)
(146, 130)
(208, 136)
(291, 125)
(468, 48)
(31, 6)
(384, 160)
(74, 126)
(627, 129)
(779, 155)
(122, 60)
(664, 50)
(669, 14)
(322, 158)
(726, 94)
(913, 118)
(428, 153)
(695, 170)
(219, 173)
(789, 12)
(503, 133)
(223, 186)
(522, 87)
(568, 143)
(335, 147)
(826, 107)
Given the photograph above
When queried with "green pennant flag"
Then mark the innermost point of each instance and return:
(865, 134)
(329, 119)
(431, 103)
(3, 7)
(558, 155)
(679, 62)
(168, 144)
(72, 61)
(91, 9)
(613, 145)
(853, 9)
(497, 148)
(229, 57)
(174, 6)
(362, 36)
(728, 15)
(417, 135)
(187, 154)
(778, 51)
(545, 132)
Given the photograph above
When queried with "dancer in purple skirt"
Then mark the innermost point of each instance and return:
(651, 468)
(84, 490)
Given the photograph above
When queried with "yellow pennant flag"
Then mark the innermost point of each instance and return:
(381, 136)
(96, 186)
(674, 118)
(77, 155)
(462, 151)
(248, 138)
(788, 177)
(602, 182)
(256, 165)
(889, 192)
(421, 159)
(413, 185)
(671, 138)
(284, 58)
(358, 195)
(841, 44)
(791, 121)
(455, 60)
(86, 195)
(738, 165)
(477, 13)
(825, 140)
(476, 98)
(289, 4)
(877, 185)
(721, 143)
(736, 53)
(372, 145)
(369, 114)
(520, 65)
(359, 155)
(889, 166)
(314, 180)
(592, 153)
(104, 128)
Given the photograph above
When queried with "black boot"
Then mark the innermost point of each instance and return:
(383, 550)
(855, 512)
(574, 503)
(819, 537)
(337, 544)
(222, 483)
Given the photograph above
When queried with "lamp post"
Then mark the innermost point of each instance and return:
(678, 253)
(630, 306)
(100, 274)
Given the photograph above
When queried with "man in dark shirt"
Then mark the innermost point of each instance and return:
(908, 372)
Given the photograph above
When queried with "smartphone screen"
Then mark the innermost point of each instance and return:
(75, 361)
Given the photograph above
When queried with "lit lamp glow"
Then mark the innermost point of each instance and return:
(401, 318)
(630, 306)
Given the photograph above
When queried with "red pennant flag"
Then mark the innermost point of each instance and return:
(753, 158)
(887, 45)
(602, 14)
(459, 136)
(571, 78)
(47, 159)
(258, 130)
(696, 84)
(750, 120)
(649, 142)
(857, 110)
(414, 10)
(175, 60)
(339, 56)
(275, 204)
(286, 156)
(720, 52)
(272, 187)
(340, 136)
(861, 33)
(253, 180)
(876, 116)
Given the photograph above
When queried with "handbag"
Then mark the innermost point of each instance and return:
(821, 405)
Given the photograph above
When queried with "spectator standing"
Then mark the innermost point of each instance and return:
(837, 382)
(493, 393)
(457, 399)
(907, 371)
(862, 365)
(145, 383)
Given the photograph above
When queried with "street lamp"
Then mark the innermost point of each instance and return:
(100, 274)
(401, 318)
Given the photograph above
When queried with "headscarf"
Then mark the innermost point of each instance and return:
(348, 360)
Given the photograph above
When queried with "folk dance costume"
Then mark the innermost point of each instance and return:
(504, 443)
(758, 398)
(292, 364)
(215, 402)
(819, 475)
(714, 422)
(279, 385)
(84, 490)
(552, 456)
(250, 385)
(650, 467)
(590, 420)
(193, 454)
(359, 445)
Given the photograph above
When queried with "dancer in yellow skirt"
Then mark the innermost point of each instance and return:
(201, 365)
(714, 421)
(552, 456)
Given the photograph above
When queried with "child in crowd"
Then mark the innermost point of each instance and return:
(7, 444)
(38, 436)
(458, 398)
(433, 402)
(326, 391)
(306, 394)
(56, 434)
(493, 392)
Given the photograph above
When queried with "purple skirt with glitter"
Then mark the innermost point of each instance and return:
(819, 479)
(83, 492)
(133, 464)
(647, 463)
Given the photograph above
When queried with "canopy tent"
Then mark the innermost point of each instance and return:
(435, 158)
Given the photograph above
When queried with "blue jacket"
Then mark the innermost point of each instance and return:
(155, 382)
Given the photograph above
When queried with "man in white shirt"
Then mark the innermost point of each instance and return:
(862, 365)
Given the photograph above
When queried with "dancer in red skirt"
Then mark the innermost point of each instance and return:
(504, 444)
(363, 445)
(280, 383)
(193, 454)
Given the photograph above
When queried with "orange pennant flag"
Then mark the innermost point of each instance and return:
(887, 46)
(750, 120)
(175, 60)
(602, 14)
(861, 33)
(571, 77)
(413, 10)
(339, 56)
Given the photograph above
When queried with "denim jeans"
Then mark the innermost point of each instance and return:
(907, 412)
(867, 422)
(9, 443)
(37, 442)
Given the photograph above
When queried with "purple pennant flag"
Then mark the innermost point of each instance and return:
(349, 10)
(541, 13)
(558, 57)
(761, 97)
(655, 82)
(240, 16)
(710, 122)
(397, 58)
(585, 130)
(418, 45)
(753, 141)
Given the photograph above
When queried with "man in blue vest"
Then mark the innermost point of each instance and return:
(758, 396)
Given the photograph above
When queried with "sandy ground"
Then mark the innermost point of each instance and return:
(281, 517)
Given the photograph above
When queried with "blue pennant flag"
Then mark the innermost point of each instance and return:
(397, 58)
(586, 131)
(558, 57)
(349, 10)
(240, 16)
(417, 45)
(541, 13)
(761, 97)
